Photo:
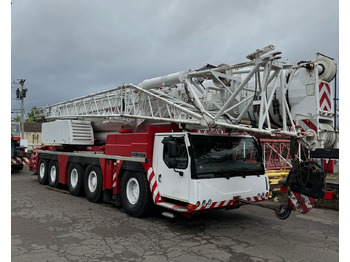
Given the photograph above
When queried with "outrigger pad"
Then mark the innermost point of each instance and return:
(301, 203)
(308, 179)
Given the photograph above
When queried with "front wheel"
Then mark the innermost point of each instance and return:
(135, 194)
(93, 184)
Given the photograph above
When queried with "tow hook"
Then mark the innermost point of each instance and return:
(282, 211)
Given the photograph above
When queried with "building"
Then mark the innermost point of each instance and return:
(32, 132)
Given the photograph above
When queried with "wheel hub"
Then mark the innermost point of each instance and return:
(74, 178)
(53, 173)
(132, 190)
(42, 170)
(92, 181)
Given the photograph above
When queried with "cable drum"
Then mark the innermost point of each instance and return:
(327, 68)
(328, 135)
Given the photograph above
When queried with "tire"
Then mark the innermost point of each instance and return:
(53, 174)
(93, 184)
(16, 167)
(283, 212)
(136, 197)
(42, 171)
(75, 179)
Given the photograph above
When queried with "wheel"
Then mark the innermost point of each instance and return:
(53, 173)
(283, 212)
(16, 167)
(93, 184)
(76, 179)
(42, 171)
(135, 194)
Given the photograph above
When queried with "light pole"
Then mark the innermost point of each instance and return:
(22, 95)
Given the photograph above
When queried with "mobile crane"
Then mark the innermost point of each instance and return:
(184, 142)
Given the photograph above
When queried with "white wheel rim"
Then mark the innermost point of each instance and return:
(42, 170)
(74, 178)
(132, 190)
(53, 173)
(92, 181)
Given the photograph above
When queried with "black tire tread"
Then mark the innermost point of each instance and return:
(145, 205)
(79, 189)
(96, 196)
(43, 180)
(50, 182)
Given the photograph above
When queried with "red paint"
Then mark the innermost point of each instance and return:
(127, 143)
(330, 166)
(329, 195)
(309, 123)
(283, 189)
(63, 168)
(325, 97)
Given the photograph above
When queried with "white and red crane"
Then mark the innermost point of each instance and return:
(184, 141)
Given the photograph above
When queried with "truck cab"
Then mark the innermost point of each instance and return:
(208, 171)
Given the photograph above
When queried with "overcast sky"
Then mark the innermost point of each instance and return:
(66, 49)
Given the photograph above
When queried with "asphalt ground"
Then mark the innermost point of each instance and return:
(50, 225)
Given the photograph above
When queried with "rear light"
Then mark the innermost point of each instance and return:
(190, 207)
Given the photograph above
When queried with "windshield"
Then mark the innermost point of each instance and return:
(15, 129)
(225, 156)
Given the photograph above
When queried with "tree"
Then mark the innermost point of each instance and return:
(17, 118)
(30, 116)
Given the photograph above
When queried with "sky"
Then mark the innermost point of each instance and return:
(66, 49)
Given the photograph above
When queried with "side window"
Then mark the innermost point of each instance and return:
(181, 157)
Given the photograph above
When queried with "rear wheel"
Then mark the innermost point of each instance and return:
(135, 194)
(53, 173)
(42, 171)
(76, 179)
(93, 183)
(16, 167)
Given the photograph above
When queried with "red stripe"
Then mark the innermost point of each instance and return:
(321, 85)
(154, 187)
(230, 202)
(221, 204)
(326, 85)
(301, 202)
(213, 205)
(151, 177)
(158, 198)
(249, 199)
(256, 199)
(312, 200)
(203, 207)
(309, 124)
(325, 97)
